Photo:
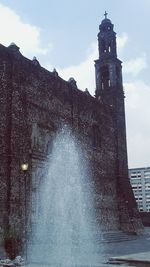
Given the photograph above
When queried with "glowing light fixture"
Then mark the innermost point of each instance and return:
(24, 166)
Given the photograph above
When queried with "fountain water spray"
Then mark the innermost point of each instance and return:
(65, 228)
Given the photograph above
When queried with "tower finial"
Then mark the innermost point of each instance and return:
(105, 14)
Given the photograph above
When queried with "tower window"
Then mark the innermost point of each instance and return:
(105, 77)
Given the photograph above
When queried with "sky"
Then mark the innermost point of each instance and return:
(62, 34)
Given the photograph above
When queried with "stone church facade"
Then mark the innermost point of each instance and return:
(34, 105)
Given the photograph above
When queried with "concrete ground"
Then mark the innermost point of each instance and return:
(128, 253)
(135, 252)
(142, 258)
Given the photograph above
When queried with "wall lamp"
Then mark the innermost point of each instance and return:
(24, 167)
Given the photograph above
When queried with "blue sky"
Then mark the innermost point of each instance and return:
(63, 34)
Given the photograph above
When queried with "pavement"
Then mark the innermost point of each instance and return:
(143, 257)
(128, 253)
(134, 252)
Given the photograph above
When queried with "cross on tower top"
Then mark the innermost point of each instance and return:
(105, 14)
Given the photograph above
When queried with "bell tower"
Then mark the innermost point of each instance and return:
(108, 67)
(109, 91)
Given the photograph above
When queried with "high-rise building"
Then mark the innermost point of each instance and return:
(140, 182)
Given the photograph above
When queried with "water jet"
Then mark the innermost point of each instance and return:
(66, 224)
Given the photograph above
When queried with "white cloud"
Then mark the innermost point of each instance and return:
(137, 100)
(121, 41)
(135, 66)
(137, 103)
(84, 72)
(138, 127)
(26, 36)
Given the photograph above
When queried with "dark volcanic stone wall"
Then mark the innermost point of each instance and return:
(34, 105)
(5, 138)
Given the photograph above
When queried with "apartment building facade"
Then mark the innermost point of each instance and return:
(140, 182)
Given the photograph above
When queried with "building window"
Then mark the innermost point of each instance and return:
(135, 177)
(146, 173)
